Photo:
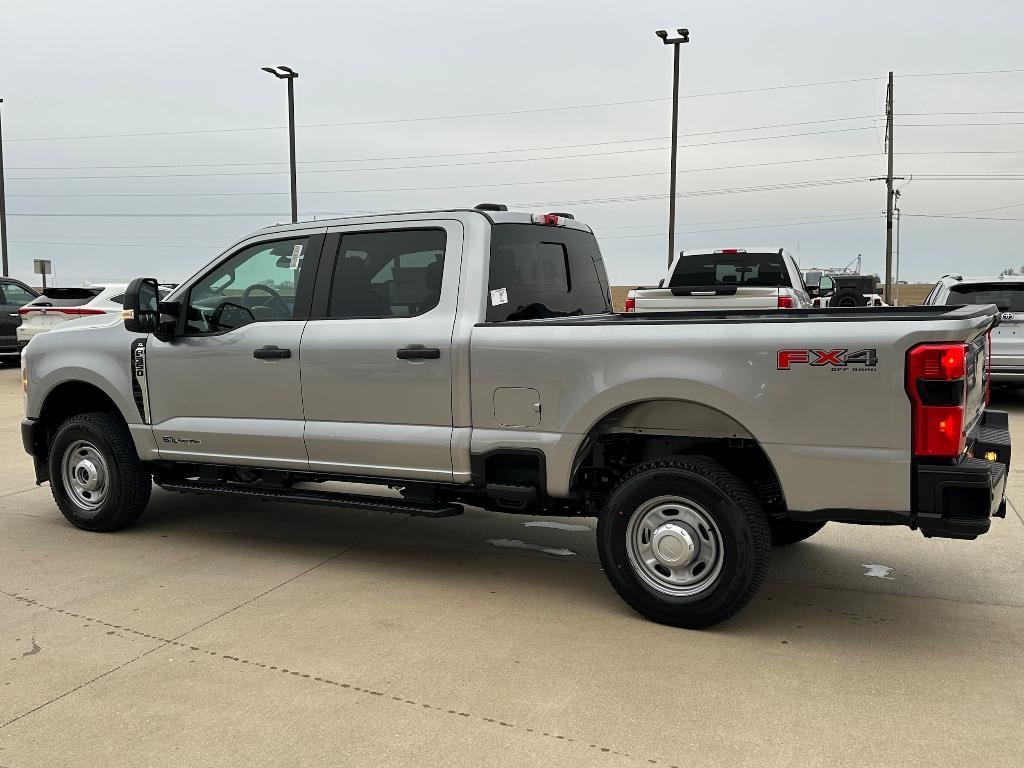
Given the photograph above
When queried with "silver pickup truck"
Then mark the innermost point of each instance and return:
(471, 357)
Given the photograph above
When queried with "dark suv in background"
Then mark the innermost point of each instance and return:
(14, 294)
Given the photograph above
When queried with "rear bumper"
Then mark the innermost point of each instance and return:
(953, 501)
(959, 500)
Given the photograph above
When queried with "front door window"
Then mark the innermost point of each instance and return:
(255, 285)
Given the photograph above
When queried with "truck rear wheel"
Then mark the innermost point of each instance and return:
(96, 477)
(791, 531)
(684, 541)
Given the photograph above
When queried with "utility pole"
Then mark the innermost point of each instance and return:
(285, 73)
(888, 179)
(684, 37)
(3, 205)
(889, 196)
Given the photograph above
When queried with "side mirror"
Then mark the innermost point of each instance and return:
(141, 312)
(826, 286)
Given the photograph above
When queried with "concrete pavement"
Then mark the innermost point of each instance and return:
(219, 632)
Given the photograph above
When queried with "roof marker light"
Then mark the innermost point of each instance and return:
(548, 219)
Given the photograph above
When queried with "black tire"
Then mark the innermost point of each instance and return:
(848, 297)
(738, 533)
(121, 484)
(791, 531)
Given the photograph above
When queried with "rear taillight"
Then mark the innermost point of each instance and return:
(630, 302)
(936, 384)
(786, 302)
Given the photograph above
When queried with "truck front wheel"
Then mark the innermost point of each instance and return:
(684, 541)
(96, 477)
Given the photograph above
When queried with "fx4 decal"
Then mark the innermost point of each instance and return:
(834, 359)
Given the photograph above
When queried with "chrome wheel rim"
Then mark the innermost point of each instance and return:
(674, 546)
(85, 475)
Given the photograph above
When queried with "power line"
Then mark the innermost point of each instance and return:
(437, 155)
(590, 201)
(506, 113)
(773, 219)
(973, 218)
(115, 245)
(488, 185)
(982, 112)
(790, 221)
(739, 229)
(436, 165)
(960, 74)
(955, 125)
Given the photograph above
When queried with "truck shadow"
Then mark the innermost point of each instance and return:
(815, 594)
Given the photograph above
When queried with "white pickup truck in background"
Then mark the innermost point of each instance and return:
(727, 278)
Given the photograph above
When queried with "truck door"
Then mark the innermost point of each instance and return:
(376, 357)
(226, 389)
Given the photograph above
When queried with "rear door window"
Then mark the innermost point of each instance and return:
(1009, 298)
(388, 273)
(730, 269)
(538, 271)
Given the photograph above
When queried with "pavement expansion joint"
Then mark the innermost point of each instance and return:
(320, 680)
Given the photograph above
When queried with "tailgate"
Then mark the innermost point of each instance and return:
(700, 297)
(1008, 341)
(977, 368)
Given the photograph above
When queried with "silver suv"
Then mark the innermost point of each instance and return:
(1007, 293)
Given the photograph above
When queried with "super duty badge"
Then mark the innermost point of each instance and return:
(833, 359)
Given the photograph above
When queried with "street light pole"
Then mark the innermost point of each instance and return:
(675, 42)
(286, 73)
(3, 206)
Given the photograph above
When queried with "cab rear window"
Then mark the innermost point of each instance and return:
(538, 271)
(723, 269)
(1009, 298)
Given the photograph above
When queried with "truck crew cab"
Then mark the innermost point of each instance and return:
(471, 357)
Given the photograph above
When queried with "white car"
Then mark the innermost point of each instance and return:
(58, 305)
(725, 278)
(1007, 339)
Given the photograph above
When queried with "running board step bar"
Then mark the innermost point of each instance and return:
(325, 498)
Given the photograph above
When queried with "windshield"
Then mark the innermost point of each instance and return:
(718, 269)
(1009, 298)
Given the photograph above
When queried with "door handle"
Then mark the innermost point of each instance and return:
(418, 352)
(13, 314)
(271, 352)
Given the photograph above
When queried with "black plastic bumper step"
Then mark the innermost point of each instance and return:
(324, 498)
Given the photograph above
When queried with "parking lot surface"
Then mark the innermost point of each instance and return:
(221, 632)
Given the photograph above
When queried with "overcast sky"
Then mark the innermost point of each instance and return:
(191, 71)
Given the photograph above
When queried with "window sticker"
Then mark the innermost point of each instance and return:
(296, 256)
(499, 296)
